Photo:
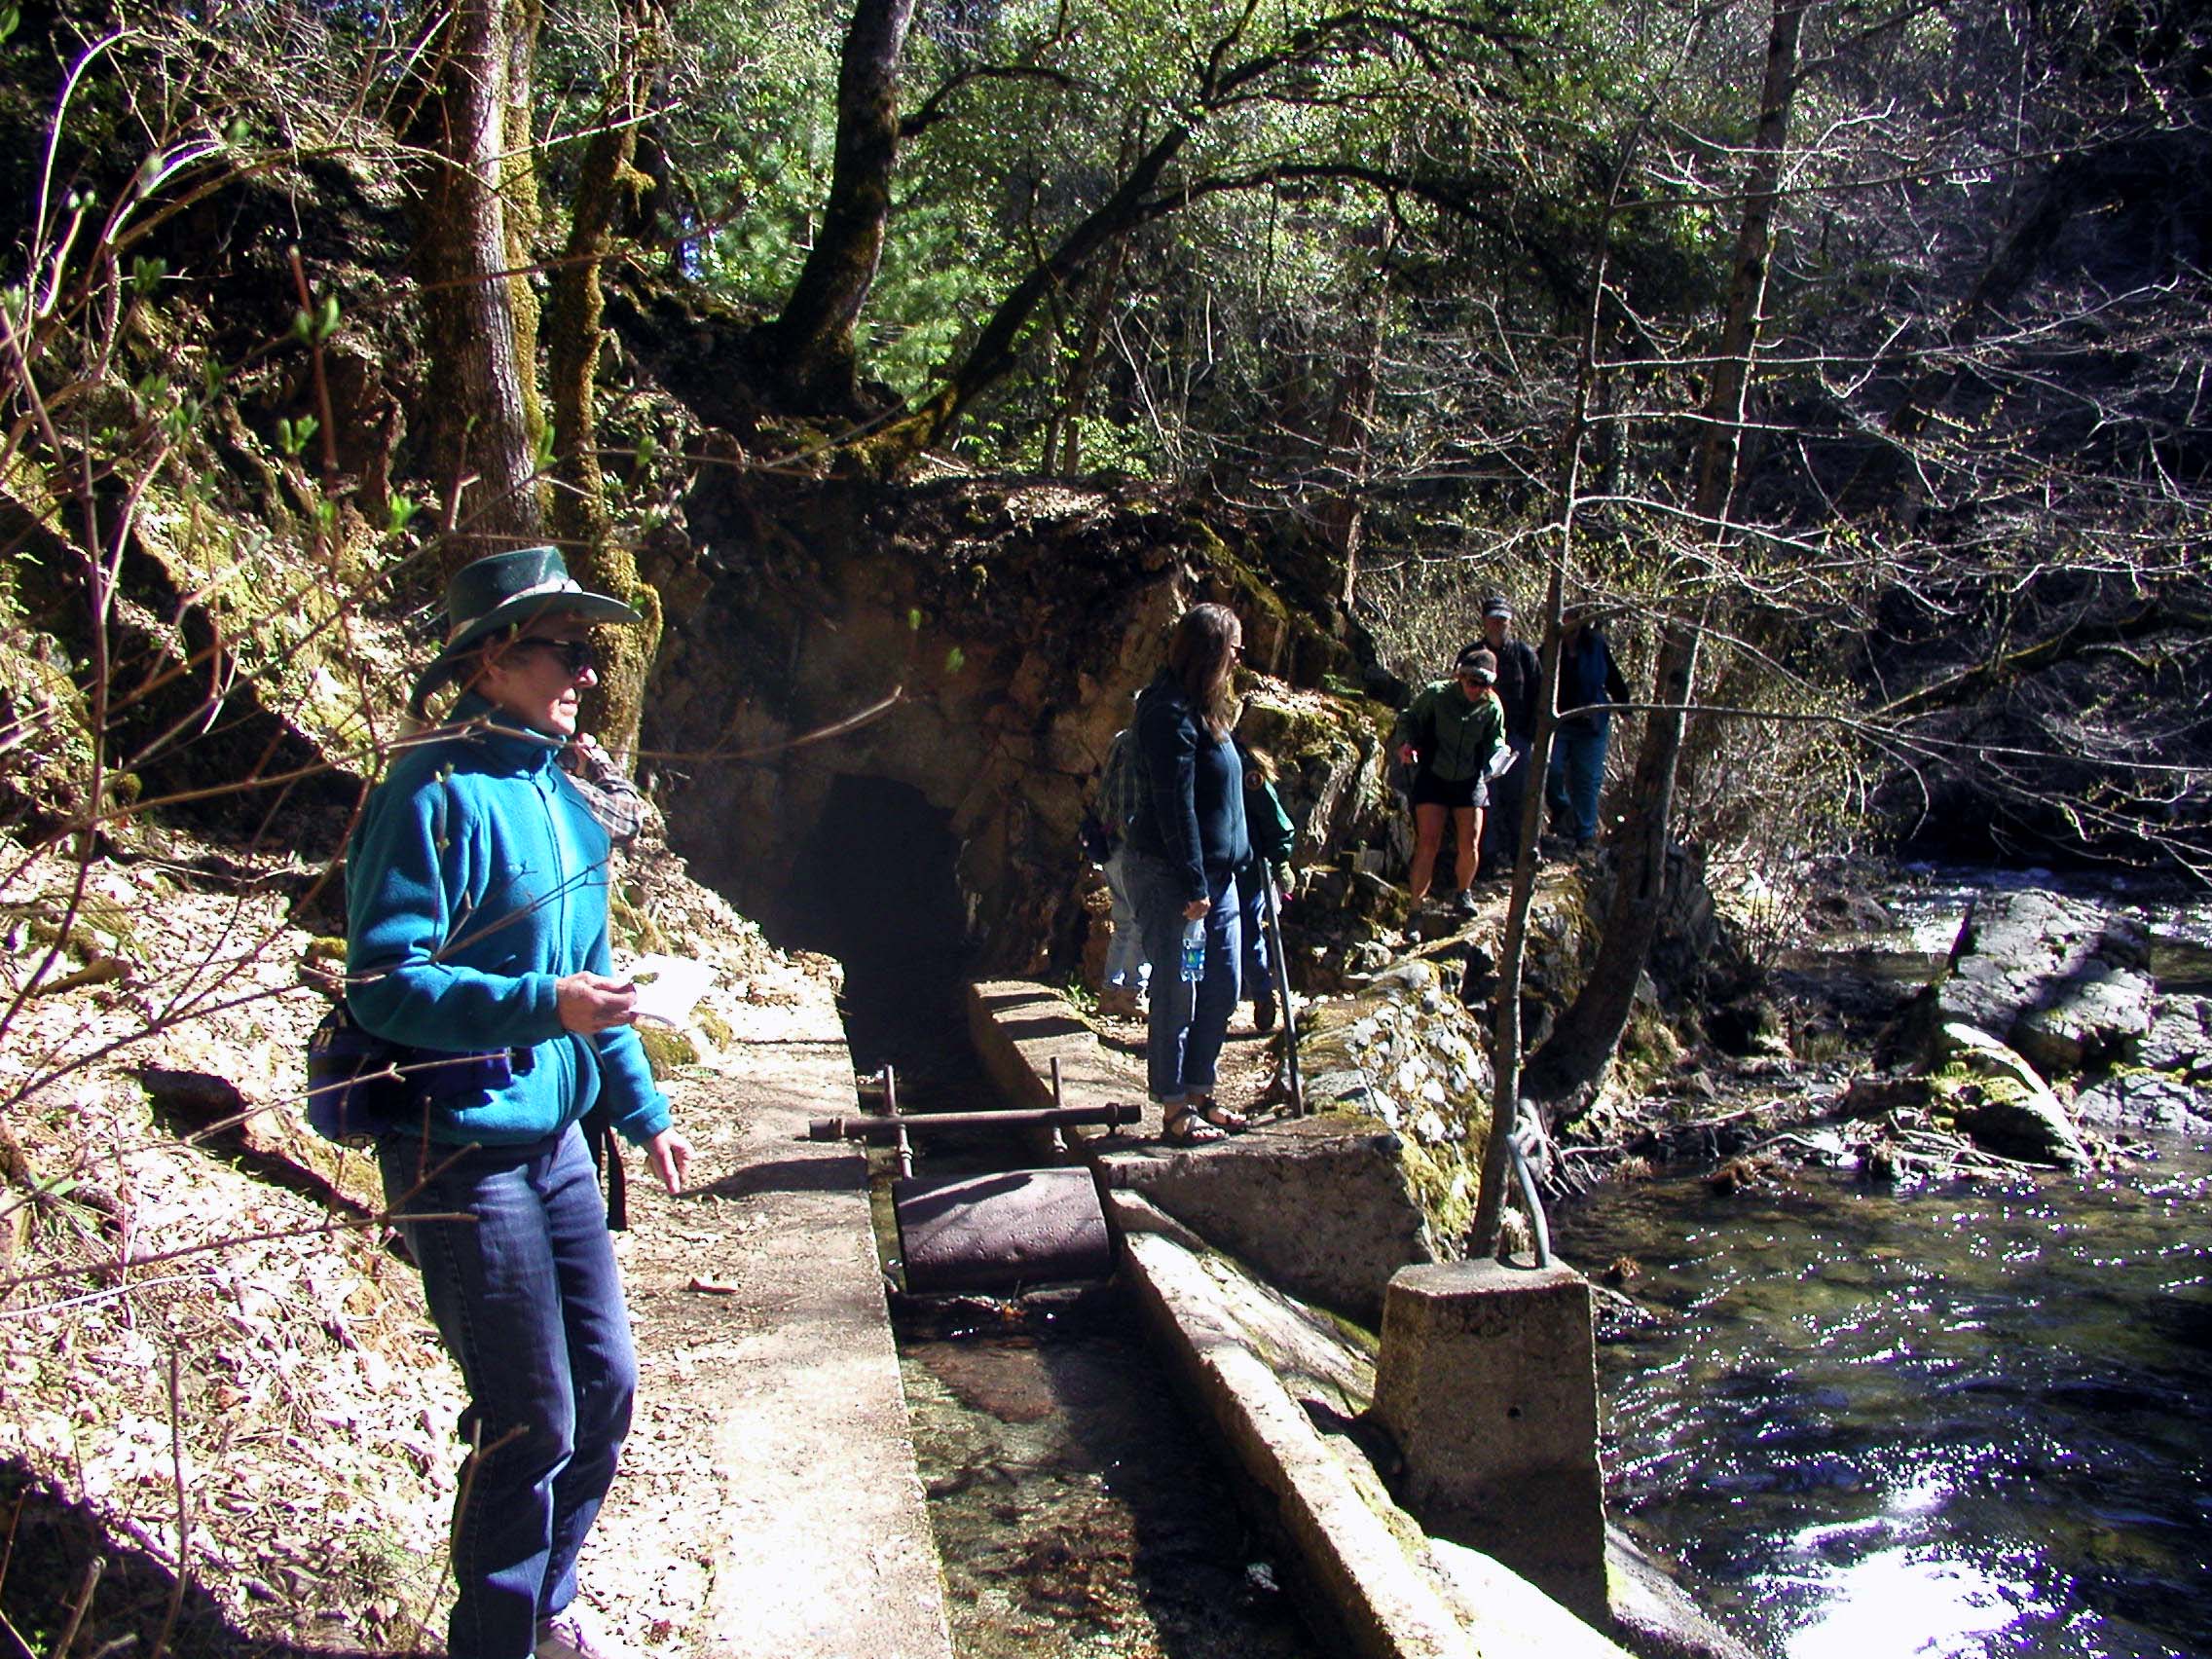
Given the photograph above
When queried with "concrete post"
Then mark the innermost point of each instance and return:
(1488, 1381)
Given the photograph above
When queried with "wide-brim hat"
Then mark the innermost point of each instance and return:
(509, 590)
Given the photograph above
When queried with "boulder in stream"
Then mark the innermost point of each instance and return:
(1977, 1085)
(2060, 979)
(1996, 1096)
(2179, 1040)
(2144, 1100)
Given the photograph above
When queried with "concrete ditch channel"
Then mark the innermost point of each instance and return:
(1288, 1388)
(772, 1503)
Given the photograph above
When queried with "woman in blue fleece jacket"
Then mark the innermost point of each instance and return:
(1186, 845)
(477, 896)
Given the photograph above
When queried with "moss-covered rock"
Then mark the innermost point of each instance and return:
(1406, 1053)
(667, 1052)
(1988, 1091)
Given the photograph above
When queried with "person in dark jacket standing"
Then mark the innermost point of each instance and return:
(1519, 680)
(1449, 734)
(476, 891)
(1589, 682)
(1185, 849)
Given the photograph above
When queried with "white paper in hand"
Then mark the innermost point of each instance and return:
(668, 988)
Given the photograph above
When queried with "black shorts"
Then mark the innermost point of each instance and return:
(1429, 789)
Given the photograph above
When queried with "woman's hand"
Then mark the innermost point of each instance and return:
(590, 1003)
(1408, 754)
(1196, 908)
(670, 1155)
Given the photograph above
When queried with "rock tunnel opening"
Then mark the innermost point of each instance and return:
(875, 886)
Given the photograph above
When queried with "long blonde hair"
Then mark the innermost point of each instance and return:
(1202, 654)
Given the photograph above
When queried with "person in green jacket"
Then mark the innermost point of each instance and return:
(1269, 828)
(1448, 735)
(477, 937)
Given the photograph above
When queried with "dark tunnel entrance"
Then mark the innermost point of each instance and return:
(875, 888)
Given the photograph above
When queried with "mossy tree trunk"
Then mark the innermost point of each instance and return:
(607, 187)
(519, 196)
(809, 347)
(480, 393)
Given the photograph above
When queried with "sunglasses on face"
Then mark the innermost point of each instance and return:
(575, 655)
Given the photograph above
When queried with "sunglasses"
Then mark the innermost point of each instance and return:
(575, 655)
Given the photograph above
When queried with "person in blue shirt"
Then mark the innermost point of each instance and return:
(1589, 682)
(477, 937)
(1186, 845)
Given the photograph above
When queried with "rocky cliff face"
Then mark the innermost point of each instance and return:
(991, 638)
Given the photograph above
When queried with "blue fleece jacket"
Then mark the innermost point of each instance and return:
(476, 881)
(1194, 814)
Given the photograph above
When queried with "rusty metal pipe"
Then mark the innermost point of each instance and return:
(876, 1129)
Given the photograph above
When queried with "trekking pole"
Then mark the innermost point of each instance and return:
(1278, 968)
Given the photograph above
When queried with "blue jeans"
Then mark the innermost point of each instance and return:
(1252, 902)
(1578, 773)
(1125, 964)
(530, 1306)
(1187, 1023)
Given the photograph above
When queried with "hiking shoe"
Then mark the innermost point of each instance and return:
(572, 1633)
(1264, 1011)
(1464, 901)
(1119, 1002)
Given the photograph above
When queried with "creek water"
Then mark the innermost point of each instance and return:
(1951, 1419)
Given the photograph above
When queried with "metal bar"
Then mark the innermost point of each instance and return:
(890, 1111)
(1059, 1104)
(1278, 968)
(876, 1130)
(1529, 1201)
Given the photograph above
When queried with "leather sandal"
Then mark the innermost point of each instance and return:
(1227, 1119)
(1185, 1125)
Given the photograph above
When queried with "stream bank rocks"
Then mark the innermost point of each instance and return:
(2058, 978)
(2040, 986)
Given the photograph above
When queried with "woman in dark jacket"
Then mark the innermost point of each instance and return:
(478, 939)
(1185, 848)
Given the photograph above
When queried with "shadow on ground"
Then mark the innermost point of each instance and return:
(48, 1548)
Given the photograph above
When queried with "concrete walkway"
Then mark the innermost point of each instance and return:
(769, 1503)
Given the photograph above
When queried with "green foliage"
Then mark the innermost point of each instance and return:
(293, 436)
(313, 327)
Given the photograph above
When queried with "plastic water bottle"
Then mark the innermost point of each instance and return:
(1193, 949)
